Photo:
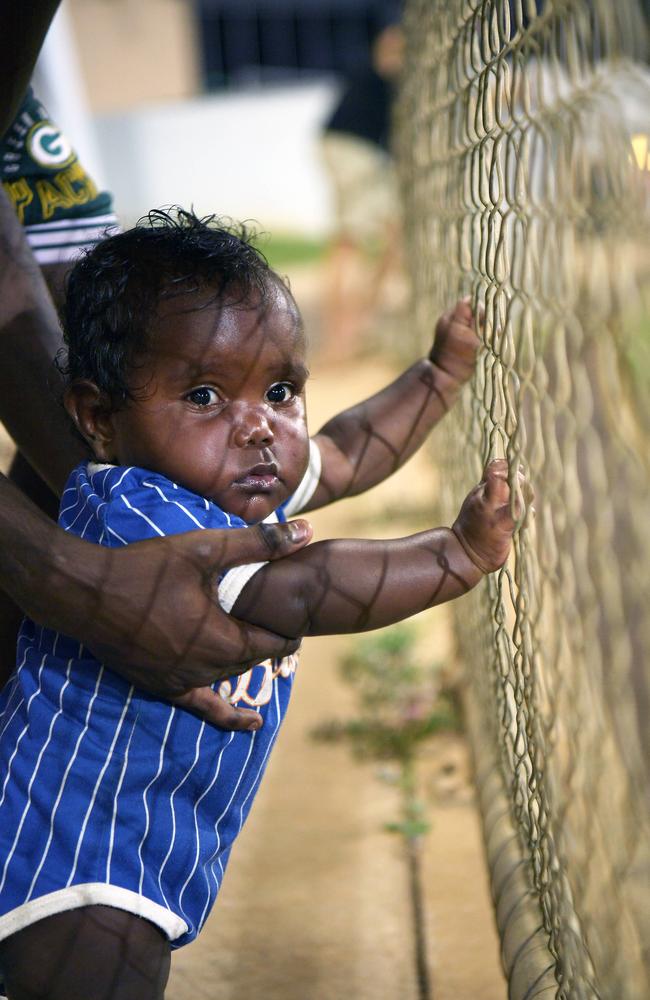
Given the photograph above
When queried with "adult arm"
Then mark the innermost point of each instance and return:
(23, 27)
(365, 444)
(30, 337)
(353, 586)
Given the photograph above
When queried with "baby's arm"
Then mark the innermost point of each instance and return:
(365, 444)
(352, 586)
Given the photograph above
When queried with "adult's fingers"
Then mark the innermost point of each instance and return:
(221, 550)
(209, 705)
(253, 644)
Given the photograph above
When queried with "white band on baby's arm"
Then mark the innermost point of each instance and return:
(236, 579)
(308, 483)
(234, 582)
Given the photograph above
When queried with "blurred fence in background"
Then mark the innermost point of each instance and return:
(523, 131)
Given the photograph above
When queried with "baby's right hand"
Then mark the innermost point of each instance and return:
(485, 524)
(456, 343)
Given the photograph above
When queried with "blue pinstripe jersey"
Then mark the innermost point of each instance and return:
(109, 795)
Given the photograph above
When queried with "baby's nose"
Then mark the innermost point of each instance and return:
(251, 427)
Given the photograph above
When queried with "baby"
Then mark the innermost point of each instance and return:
(186, 376)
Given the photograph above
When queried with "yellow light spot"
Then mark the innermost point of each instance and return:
(641, 153)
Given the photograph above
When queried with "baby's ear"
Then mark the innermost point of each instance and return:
(92, 412)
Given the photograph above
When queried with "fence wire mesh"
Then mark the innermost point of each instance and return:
(523, 135)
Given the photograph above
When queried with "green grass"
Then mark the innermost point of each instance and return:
(285, 249)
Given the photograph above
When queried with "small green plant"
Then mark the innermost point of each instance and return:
(401, 704)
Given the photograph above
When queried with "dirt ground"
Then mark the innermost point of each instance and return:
(315, 905)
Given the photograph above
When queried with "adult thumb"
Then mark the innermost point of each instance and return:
(211, 707)
(261, 542)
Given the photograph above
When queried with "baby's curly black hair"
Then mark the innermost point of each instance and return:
(114, 291)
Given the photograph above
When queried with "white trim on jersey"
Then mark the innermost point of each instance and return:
(90, 894)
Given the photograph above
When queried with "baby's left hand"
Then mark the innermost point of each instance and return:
(456, 344)
(485, 523)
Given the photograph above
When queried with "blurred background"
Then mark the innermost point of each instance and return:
(218, 103)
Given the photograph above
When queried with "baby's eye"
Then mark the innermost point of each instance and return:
(280, 392)
(203, 396)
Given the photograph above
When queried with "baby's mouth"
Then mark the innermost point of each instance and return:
(260, 479)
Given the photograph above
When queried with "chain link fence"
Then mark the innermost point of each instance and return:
(523, 134)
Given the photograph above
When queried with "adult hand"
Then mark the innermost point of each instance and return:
(148, 610)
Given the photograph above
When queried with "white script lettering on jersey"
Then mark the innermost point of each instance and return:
(272, 669)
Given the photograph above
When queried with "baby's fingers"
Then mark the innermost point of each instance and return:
(463, 312)
(496, 491)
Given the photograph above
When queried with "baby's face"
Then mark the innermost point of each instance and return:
(220, 405)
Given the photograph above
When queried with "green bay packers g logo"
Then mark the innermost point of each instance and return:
(47, 146)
